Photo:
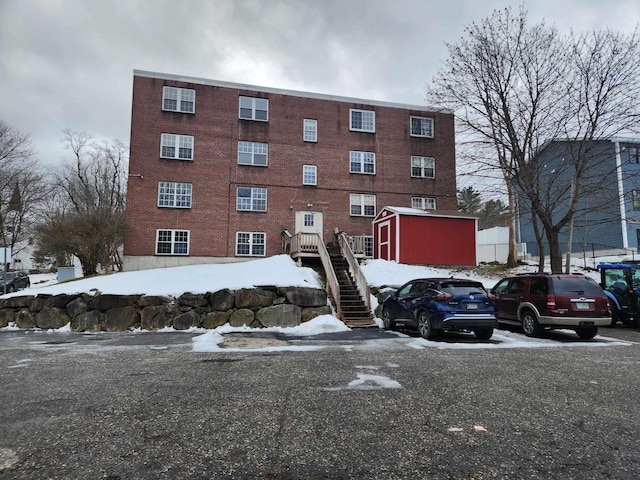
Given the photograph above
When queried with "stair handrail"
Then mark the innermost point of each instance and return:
(333, 287)
(354, 268)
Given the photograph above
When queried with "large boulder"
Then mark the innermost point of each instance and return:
(155, 317)
(77, 307)
(193, 300)
(40, 302)
(51, 317)
(6, 316)
(241, 317)
(304, 296)
(222, 300)
(216, 319)
(186, 320)
(279, 316)
(90, 321)
(18, 302)
(61, 300)
(25, 319)
(120, 319)
(254, 298)
(108, 301)
(152, 300)
(313, 312)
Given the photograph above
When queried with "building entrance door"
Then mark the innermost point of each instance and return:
(383, 241)
(309, 222)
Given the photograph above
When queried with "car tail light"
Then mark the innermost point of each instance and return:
(443, 296)
(551, 304)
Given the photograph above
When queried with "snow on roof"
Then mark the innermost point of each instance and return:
(426, 213)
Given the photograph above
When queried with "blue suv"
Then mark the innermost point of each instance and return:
(433, 305)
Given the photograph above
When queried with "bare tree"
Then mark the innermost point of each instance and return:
(515, 86)
(88, 221)
(22, 188)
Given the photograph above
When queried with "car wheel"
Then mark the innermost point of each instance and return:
(587, 333)
(616, 316)
(424, 326)
(483, 333)
(10, 288)
(387, 322)
(530, 324)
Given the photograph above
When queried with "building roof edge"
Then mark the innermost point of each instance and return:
(281, 91)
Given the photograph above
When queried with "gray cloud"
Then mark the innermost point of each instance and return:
(69, 64)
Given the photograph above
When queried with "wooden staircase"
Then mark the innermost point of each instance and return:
(355, 310)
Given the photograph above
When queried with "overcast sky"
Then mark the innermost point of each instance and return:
(69, 63)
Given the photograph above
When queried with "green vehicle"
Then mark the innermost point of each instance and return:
(621, 283)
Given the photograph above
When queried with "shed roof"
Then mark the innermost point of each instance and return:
(425, 213)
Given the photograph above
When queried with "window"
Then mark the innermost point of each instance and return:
(362, 205)
(173, 194)
(254, 108)
(362, 162)
(172, 242)
(309, 220)
(176, 146)
(423, 167)
(635, 198)
(252, 199)
(309, 175)
(253, 153)
(178, 99)
(368, 246)
(423, 203)
(422, 127)
(362, 120)
(250, 244)
(634, 156)
(310, 130)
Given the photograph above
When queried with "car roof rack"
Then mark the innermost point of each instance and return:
(523, 274)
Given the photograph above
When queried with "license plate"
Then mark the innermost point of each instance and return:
(472, 306)
(582, 306)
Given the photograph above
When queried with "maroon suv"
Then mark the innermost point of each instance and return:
(539, 301)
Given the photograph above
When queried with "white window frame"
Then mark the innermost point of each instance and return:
(255, 150)
(309, 130)
(423, 203)
(309, 175)
(172, 241)
(424, 132)
(174, 194)
(309, 219)
(362, 201)
(177, 142)
(257, 197)
(368, 246)
(361, 159)
(253, 104)
(367, 124)
(423, 167)
(252, 239)
(181, 96)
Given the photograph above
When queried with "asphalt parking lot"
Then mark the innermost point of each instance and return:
(360, 404)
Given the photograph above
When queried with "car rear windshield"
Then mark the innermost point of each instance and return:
(575, 286)
(462, 288)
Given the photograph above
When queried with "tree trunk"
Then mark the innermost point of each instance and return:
(512, 259)
(555, 253)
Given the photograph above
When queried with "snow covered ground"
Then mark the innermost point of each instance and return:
(280, 270)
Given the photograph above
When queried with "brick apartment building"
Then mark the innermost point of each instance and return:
(219, 171)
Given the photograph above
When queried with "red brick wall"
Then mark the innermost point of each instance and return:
(215, 174)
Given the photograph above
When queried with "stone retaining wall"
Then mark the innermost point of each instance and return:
(254, 307)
